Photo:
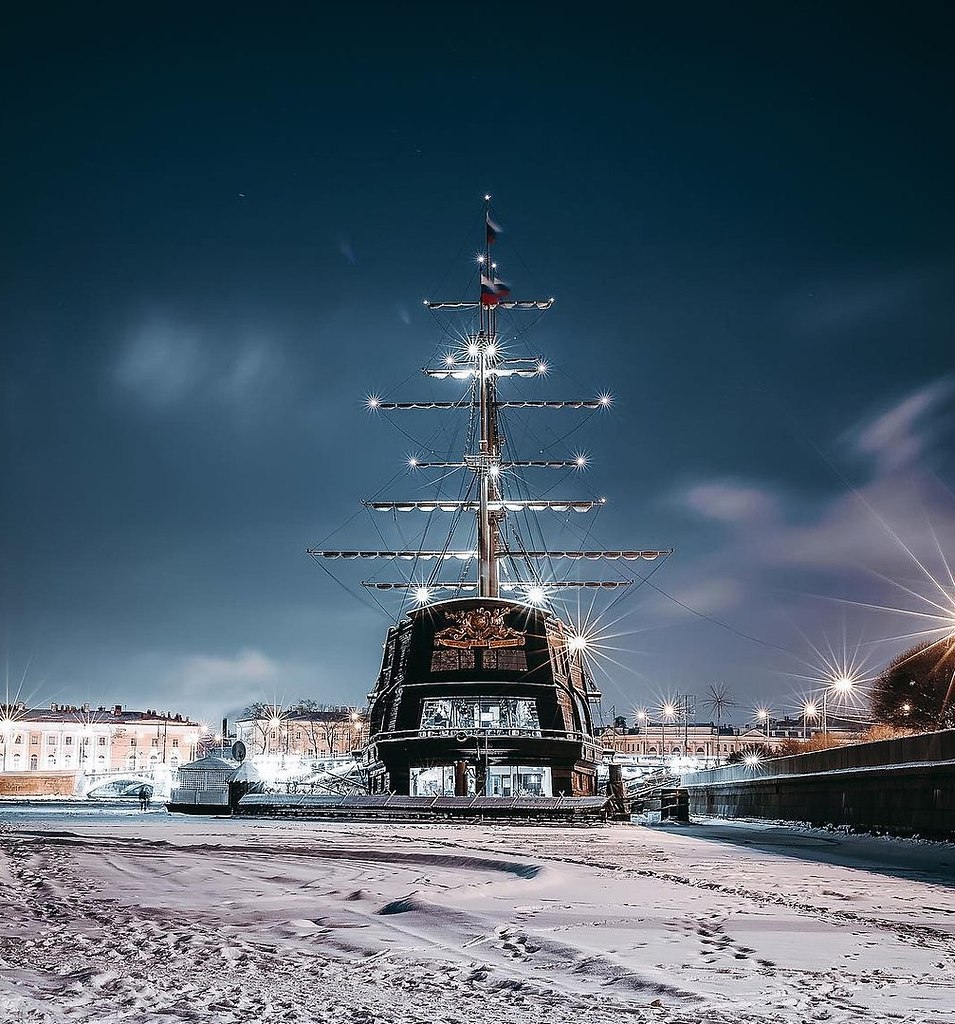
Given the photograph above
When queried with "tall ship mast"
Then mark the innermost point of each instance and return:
(489, 683)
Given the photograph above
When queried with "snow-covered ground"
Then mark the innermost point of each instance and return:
(152, 917)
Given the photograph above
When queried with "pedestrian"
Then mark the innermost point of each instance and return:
(143, 798)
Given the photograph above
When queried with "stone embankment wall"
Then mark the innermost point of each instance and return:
(905, 786)
(25, 784)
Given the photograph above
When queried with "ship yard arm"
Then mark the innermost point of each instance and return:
(482, 363)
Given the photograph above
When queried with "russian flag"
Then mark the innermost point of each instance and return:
(489, 296)
(493, 230)
(493, 290)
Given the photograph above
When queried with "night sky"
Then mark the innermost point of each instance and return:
(219, 222)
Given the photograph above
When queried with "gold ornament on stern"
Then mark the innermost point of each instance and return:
(478, 627)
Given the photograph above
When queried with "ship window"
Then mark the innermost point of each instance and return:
(480, 714)
(452, 660)
(510, 658)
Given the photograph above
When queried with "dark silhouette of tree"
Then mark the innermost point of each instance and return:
(917, 689)
(757, 750)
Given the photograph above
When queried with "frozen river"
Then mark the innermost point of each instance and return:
(111, 914)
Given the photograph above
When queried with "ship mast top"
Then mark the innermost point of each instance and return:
(488, 463)
(483, 363)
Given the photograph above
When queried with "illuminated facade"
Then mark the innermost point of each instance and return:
(71, 738)
(330, 731)
(696, 740)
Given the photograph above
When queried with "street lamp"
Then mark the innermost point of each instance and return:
(809, 710)
(668, 711)
(6, 735)
(275, 723)
(843, 686)
(762, 716)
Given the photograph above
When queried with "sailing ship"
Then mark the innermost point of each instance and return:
(482, 677)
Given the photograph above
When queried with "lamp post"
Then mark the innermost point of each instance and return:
(642, 720)
(6, 735)
(842, 685)
(762, 716)
(809, 710)
(275, 723)
(668, 712)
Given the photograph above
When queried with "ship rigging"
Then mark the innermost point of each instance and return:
(496, 679)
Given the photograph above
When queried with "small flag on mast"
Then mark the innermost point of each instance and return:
(493, 290)
(493, 230)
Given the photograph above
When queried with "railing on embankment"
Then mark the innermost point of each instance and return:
(904, 786)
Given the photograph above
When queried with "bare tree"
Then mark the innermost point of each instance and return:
(309, 722)
(718, 700)
(261, 716)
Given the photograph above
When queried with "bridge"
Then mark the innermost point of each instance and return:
(125, 781)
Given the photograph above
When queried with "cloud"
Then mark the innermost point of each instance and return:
(901, 435)
(869, 542)
(709, 596)
(729, 502)
(208, 682)
(163, 364)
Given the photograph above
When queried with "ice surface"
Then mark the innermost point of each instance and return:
(155, 917)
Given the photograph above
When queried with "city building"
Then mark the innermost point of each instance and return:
(65, 738)
(321, 732)
(702, 740)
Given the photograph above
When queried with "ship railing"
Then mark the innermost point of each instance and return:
(480, 733)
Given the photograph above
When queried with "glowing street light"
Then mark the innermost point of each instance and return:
(536, 595)
(668, 714)
(842, 685)
(809, 710)
(762, 716)
(422, 595)
(578, 642)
